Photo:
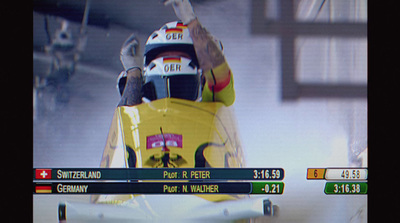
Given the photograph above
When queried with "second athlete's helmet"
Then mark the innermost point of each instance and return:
(172, 77)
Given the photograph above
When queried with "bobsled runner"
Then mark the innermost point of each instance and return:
(171, 133)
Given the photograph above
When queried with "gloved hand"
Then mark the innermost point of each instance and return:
(129, 55)
(183, 10)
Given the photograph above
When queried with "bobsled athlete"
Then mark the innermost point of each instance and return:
(184, 39)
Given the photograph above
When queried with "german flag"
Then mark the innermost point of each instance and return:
(181, 26)
(173, 30)
(43, 189)
(171, 60)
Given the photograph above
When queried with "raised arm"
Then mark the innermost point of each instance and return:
(132, 93)
(208, 53)
(131, 61)
(219, 80)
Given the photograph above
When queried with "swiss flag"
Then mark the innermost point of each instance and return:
(41, 174)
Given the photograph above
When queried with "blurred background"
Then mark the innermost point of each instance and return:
(300, 71)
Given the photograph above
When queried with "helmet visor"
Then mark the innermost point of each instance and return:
(177, 86)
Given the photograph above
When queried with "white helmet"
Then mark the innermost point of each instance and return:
(175, 77)
(173, 36)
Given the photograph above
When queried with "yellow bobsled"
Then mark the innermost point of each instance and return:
(172, 133)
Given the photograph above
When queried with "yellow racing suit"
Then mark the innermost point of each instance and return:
(219, 85)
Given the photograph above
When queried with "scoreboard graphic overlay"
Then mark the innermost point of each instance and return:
(158, 181)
